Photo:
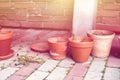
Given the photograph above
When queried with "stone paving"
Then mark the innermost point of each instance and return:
(66, 69)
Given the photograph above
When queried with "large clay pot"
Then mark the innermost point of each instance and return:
(102, 42)
(5, 42)
(80, 48)
(58, 47)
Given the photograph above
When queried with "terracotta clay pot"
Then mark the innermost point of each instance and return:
(80, 48)
(5, 42)
(58, 47)
(102, 42)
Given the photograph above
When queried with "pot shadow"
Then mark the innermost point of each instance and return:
(115, 49)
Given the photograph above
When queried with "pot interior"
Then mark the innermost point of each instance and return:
(101, 32)
(80, 39)
(57, 39)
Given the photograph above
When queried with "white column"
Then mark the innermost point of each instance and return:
(83, 16)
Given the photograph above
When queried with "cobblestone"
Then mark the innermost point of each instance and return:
(112, 74)
(58, 74)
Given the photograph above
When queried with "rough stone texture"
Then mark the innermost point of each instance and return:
(48, 66)
(112, 74)
(7, 72)
(93, 76)
(59, 73)
(37, 75)
(113, 62)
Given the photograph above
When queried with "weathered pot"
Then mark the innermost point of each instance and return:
(58, 47)
(102, 42)
(5, 42)
(80, 48)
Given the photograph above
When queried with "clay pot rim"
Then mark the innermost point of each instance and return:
(55, 40)
(98, 32)
(5, 34)
(106, 36)
(81, 44)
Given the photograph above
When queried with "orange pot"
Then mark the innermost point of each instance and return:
(102, 42)
(58, 47)
(80, 48)
(5, 42)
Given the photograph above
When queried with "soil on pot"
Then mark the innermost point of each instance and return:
(101, 32)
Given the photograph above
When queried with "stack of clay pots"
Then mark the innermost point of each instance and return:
(98, 43)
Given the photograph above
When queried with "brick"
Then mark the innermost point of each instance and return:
(7, 72)
(40, 18)
(21, 12)
(112, 7)
(16, 77)
(7, 11)
(8, 23)
(5, 5)
(54, 6)
(13, 17)
(53, 12)
(20, 0)
(118, 1)
(108, 13)
(68, 12)
(108, 1)
(59, 73)
(34, 12)
(97, 66)
(41, 0)
(31, 24)
(24, 5)
(62, 18)
(99, 20)
(4, 0)
(111, 20)
(41, 5)
(25, 70)
(112, 74)
(37, 75)
(113, 62)
(93, 76)
(68, 62)
(79, 70)
(68, 4)
(58, 25)
(73, 78)
(51, 63)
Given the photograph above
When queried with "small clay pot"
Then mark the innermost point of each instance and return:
(80, 48)
(5, 42)
(58, 47)
(102, 42)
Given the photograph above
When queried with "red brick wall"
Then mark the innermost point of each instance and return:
(43, 14)
(108, 14)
